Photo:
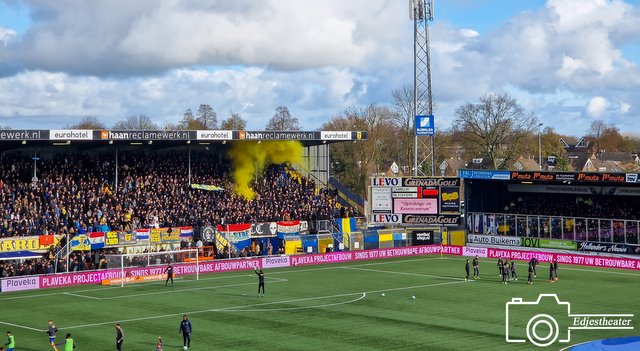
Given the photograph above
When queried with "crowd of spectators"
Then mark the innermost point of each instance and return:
(585, 206)
(76, 193)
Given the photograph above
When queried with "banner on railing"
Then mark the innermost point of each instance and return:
(80, 242)
(616, 248)
(235, 232)
(26, 243)
(97, 240)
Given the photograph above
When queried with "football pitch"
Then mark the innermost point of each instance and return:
(348, 306)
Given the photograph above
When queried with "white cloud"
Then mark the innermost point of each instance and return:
(596, 107)
(7, 35)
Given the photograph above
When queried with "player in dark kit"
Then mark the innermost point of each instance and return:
(260, 281)
(500, 266)
(505, 272)
(555, 268)
(534, 262)
(514, 276)
(530, 276)
(467, 269)
(119, 337)
(551, 273)
(185, 330)
(169, 271)
(476, 269)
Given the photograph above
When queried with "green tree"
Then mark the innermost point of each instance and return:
(234, 122)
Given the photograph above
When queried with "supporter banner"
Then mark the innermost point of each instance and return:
(142, 234)
(581, 260)
(97, 240)
(422, 237)
(127, 238)
(236, 232)
(608, 248)
(18, 284)
(186, 232)
(208, 234)
(111, 239)
(474, 251)
(27, 243)
(47, 240)
(288, 227)
(154, 235)
(172, 235)
(264, 229)
(80, 242)
(549, 243)
(206, 187)
(501, 240)
(273, 262)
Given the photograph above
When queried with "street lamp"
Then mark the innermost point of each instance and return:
(540, 145)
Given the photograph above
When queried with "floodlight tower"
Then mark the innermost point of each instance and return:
(420, 12)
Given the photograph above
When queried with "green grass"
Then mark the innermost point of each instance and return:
(326, 307)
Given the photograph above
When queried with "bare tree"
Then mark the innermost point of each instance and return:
(207, 117)
(282, 120)
(403, 118)
(88, 122)
(234, 122)
(497, 128)
(136, 122)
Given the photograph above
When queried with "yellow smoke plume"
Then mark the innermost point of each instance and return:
(249, 158)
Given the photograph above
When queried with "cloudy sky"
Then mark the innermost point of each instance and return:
(568, 61)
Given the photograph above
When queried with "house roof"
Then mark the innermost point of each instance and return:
(526, 164)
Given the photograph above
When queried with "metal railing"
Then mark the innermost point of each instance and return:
(604, 230)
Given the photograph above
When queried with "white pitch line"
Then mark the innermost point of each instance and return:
(260, 304)
(300, 308)
(402, 273)
(83, 296)
(22, 326)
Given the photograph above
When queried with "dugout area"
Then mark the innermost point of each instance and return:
(593, 207)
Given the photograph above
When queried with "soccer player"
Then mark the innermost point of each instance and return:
(159, 344)
(530, 276)
(505, 272)
(514, 276)
(555, 268)
(500, 267)
(466, 268)
(260, 281)
(119, 337)
(551, 273)
(185, 330)
(52, 331)
(476, 270)
(69, 345)
(169, 271)
(11, 342)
